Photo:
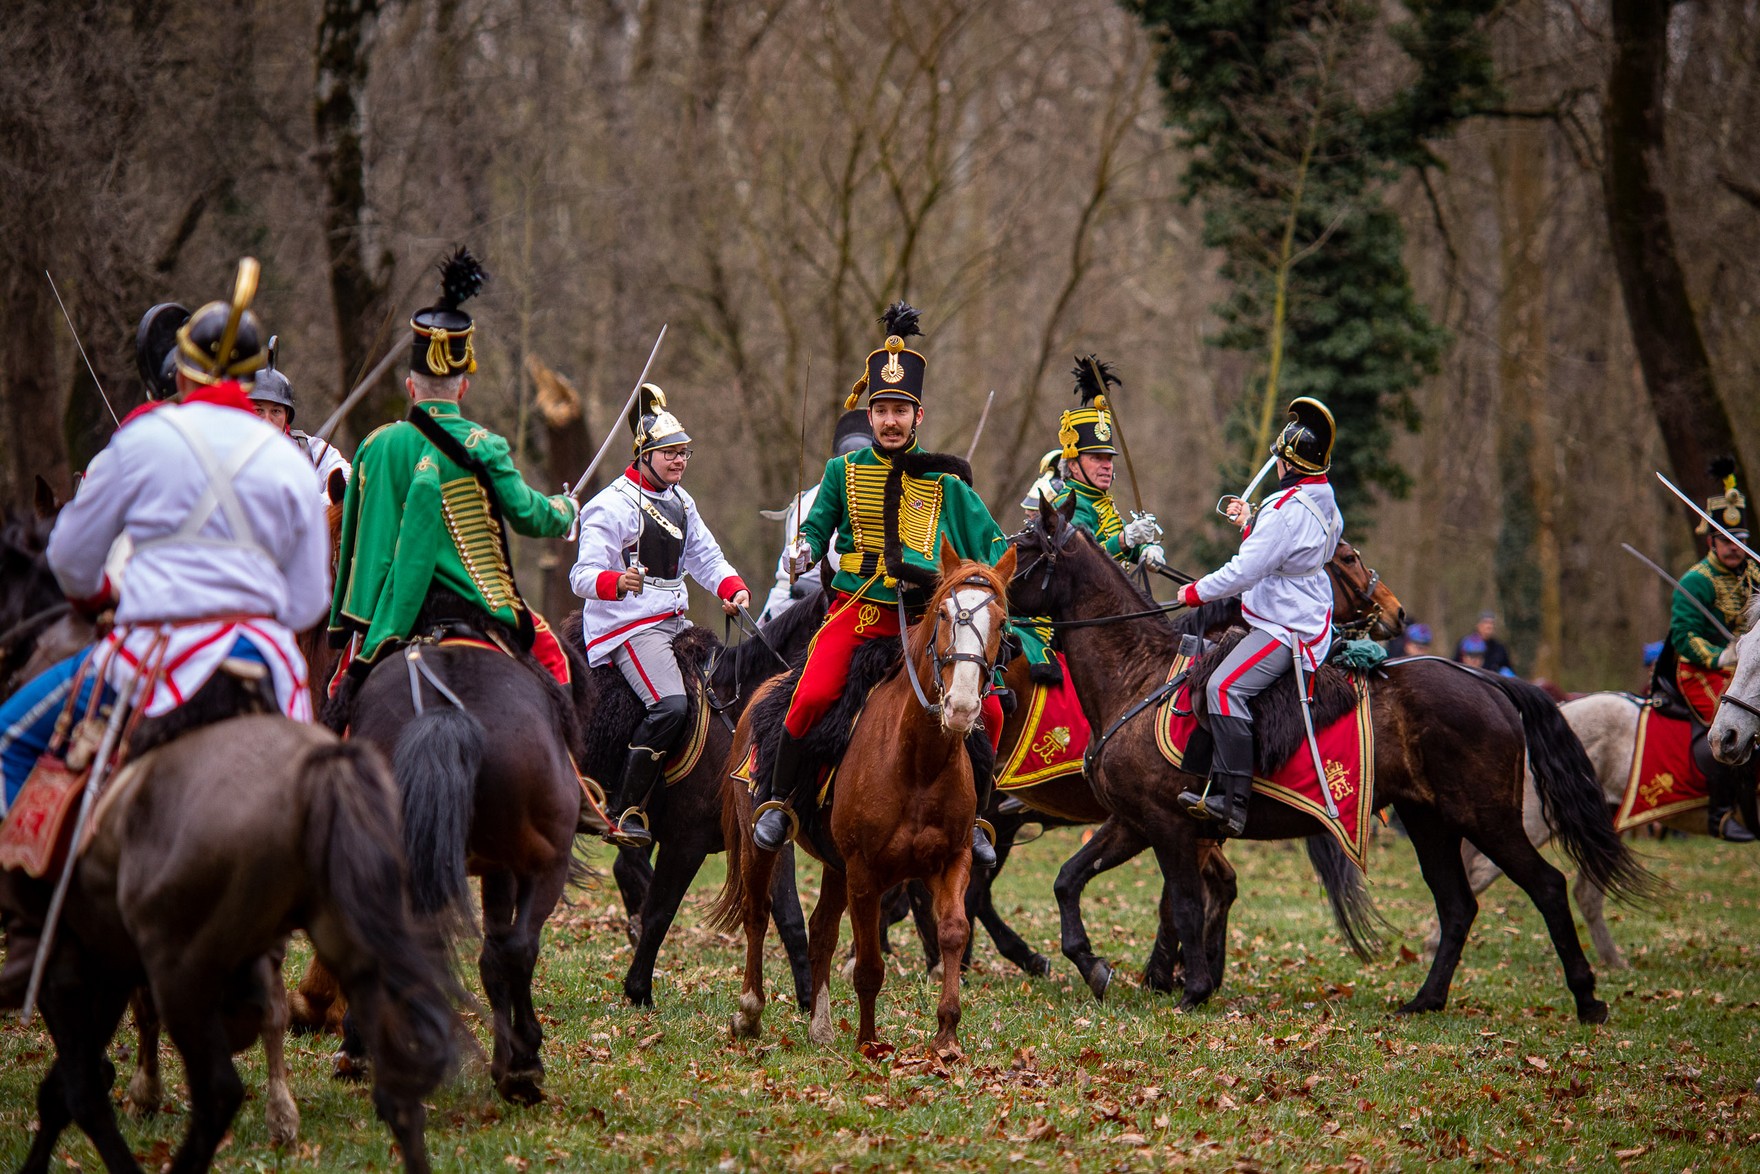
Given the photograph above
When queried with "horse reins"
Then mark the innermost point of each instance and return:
(963, 617)
(1747, 707)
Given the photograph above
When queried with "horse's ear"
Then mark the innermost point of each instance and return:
(46, 505)
(949, 557)
(1005, 564)
(336, 487)
(1046, 509)
(1068, 509)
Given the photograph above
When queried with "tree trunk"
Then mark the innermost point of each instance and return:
(30, 393)
(1671, 351)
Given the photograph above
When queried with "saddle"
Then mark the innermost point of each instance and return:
(616, 710)
(1278, 730)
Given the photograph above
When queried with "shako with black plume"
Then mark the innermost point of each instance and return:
(894, 371)
(441, 343)
(1729, 507)
(1088, 428)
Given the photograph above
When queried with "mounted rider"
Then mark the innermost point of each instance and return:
(890, 501)
(640, 536)
(1724, 582)
(272, 399)
(1286, 600)
(230, 559)
(851, 433)
(425, 519)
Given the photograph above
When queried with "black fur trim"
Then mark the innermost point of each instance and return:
(1278, 733)
(221, 697)
(1049, 673)
(921, 465)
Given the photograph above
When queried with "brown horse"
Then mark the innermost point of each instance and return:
(1449, 756)
(212, 849)
(904, 807)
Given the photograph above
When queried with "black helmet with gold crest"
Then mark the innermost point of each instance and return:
(893, 371)
(441, 343)
(1306, 441)
(653, 425)
(223, 340)
(1089, 427)
(1730, 507)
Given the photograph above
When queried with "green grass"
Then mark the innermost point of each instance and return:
(1296, 1064)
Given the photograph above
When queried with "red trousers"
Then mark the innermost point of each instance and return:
(851, 623)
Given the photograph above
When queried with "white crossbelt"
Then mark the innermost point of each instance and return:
(219, 494)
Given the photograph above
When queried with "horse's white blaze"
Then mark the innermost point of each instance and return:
(965, 691)
(1732, 734)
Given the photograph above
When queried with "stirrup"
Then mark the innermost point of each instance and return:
(987, 828)
(1195, 806)
(794, 821)
(622, 838)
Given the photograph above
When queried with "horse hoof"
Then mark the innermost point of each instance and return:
(1099, 978)
(283, 1118)
(143, 1096)
(1593, 1011)
(936, 972)
(1188, 1003)
(522, 1088)
(819, 1030)
(1418, 1007)
(1039, 966)
(639, 996)
(849, 969)
(739, 1027)
(348, 1069)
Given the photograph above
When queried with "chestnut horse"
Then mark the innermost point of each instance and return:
(904, 806)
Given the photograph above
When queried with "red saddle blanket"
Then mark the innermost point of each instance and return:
(35, 834)
(1663, 780)
(1052, 741)
(1347, 748)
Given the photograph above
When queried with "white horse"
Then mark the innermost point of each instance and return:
(1738, 722)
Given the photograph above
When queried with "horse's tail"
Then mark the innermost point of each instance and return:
(728, 912)
(365, 927)
(1362, 925)
(436, 761)
(1570, 794)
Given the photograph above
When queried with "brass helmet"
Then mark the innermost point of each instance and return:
(1048, 484)
(223, 340)
(654, 427)
(1306, 441)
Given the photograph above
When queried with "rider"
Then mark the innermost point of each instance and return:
(640, 536)
(424, 522)
(851, 518)
(1724, 582)
(1286, 600)
(852, 433)
(272, 399)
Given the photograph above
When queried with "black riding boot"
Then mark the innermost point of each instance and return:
(771, 831)
(1720, 813)
(983, 851)
(1231, 777)
(629, 825)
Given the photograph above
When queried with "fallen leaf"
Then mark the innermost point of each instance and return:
(649, 1041)
(1537, 1062)
(1329, 1128)
(1039, 1129)
(1628, 1155)
(876, 1050)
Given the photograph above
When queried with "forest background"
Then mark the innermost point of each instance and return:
(1515, 244)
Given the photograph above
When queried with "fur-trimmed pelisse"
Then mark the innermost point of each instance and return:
(917, 464)
(1278, 733)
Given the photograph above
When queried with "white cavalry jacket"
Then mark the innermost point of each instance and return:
(782, 595)
(1280, 570)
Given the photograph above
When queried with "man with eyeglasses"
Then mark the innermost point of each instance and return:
(640, 536)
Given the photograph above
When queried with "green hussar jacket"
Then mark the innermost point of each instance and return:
(1096, 514)
(413, 518)
(1726, 593)
(849, 519)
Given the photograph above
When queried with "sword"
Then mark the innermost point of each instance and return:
(611, 432)
(1313, 743)
(751, 626)
(1684, 593)
(979, 430)
(82, 354)
(1694, 506)
(800, 470)
(1246, 496)
(360, 389)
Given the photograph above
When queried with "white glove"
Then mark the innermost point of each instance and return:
(1140, 529)
(1727, 658)
(799, 556)
(1153, 555)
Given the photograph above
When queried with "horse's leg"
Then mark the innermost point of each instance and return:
(633, 874)
(822, 948)
(953, 929)
(82, 1013)
(1590, 902)
(870, 970)
(500, 892)
(317, 1004)
(1166, 965)
(1111, 846)
(1182, 908)
(215, 1090)
(514, 912)
(1482, 873)
(791, 926)
(1220, 890)
(674, 869)
(145, 1092)
(923, 917)
(282, 1114)
(981, 906)
(1545, 886)
(756, 868)
(53, 1118)
(1438, 845)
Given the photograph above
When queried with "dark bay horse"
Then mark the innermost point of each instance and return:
(1449, 756)
(213, 848)
(903, 808)
(480, 745)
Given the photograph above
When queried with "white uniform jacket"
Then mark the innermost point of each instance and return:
(325, 457)
(782, 593)
(225, 528)
(611, 526)
(1280, 571)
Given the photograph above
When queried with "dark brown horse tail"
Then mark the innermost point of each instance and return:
(435, 764)
(356, 863)
(728, 912)
(1362, 925)
(1570, 796)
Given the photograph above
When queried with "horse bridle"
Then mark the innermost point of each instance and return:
(963, 617)
(1746, 707)
(1362, 595)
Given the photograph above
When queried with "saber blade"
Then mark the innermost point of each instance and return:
(1682, 591)
(978, 432)
(580, 486)
(1712, 522)
(98, 383)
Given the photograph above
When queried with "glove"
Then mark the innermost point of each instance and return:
(1140, 529)
(1153, 555)
(1727, 658)
(1188, 595)
(799, 556)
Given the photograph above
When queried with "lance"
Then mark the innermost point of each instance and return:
(611, 431)
(82, 349)
(1123, 444)
(1684, 593)
(1694, 506)
(978, 432)
(800, 469)
(360, 389)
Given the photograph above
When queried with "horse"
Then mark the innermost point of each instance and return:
(904, 807)
(482, 744)
(1449, 751)
(1737, 723)
(1361, 605)
(209, 851)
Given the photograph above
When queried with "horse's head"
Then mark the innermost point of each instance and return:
(1361, 602)
(1047, 539)
(962, 633)
(1737, 723)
